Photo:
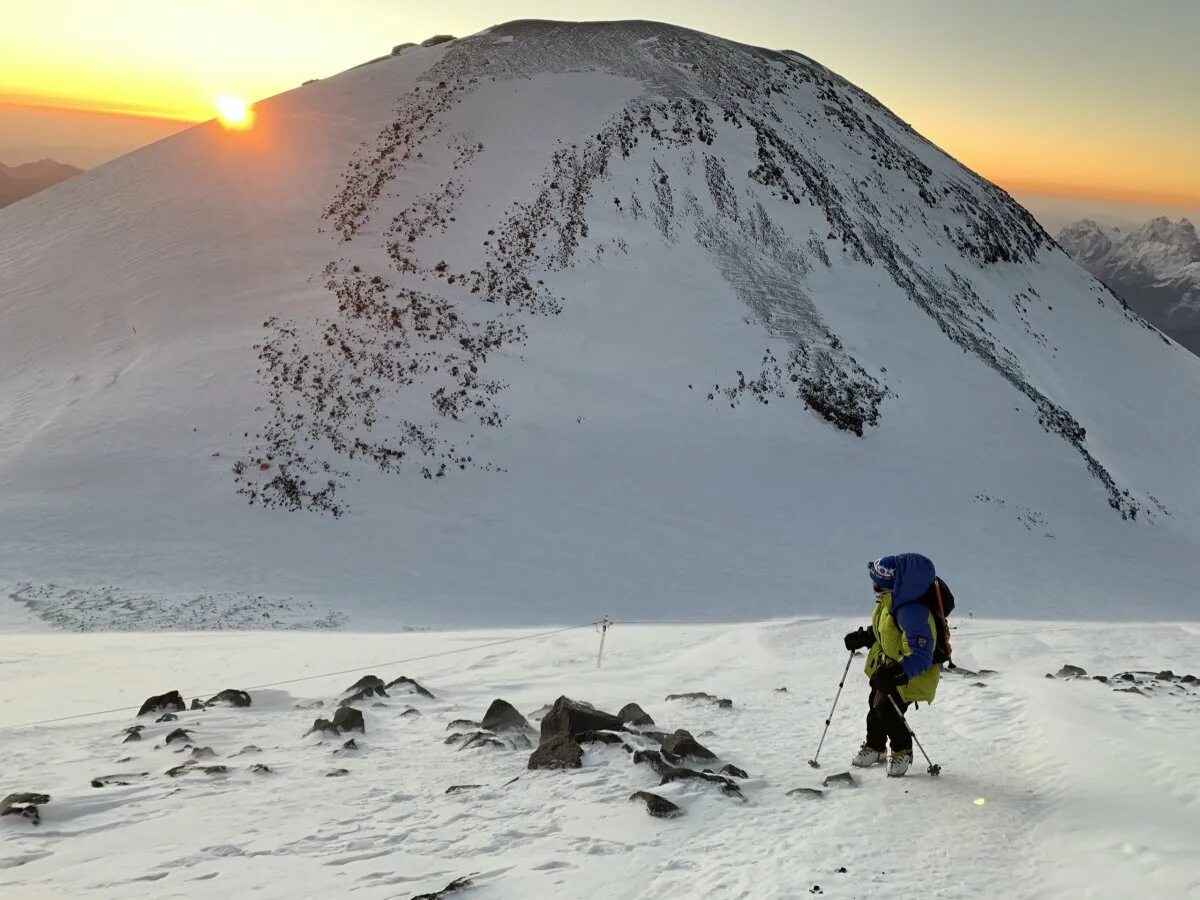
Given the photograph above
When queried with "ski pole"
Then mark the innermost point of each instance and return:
(813, 762)
(934, 768)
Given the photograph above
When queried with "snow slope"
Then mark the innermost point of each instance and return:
(626, 294)
(1049, 788)
(1155, 268)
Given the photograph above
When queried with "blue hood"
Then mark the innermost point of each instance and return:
(914, 576)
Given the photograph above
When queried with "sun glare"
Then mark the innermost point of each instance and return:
(235, 114)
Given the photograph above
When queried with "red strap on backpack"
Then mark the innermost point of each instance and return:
(937, 589)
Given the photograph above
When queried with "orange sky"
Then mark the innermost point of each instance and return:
(1079, 99)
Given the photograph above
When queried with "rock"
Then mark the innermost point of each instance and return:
(347, 718)
(1131, 690)
(1048, 675)
(249, 748)
(598, 737)
(368, 684)
(168, 701)
(117, 780)
(132, 736)
(572, 717)
(781, 690)
(459, 788)
(681, 743)
(437, 39)
(324, 726)
(483, 739)
(179, 734)
(260, 769)
(558, 751)
(167, 717)
(203, 752)
(632, 714)
(24, 804)
(658, 807)
(1127, 676)
(406, 685)
(733, 771)
(806, 793)
(461, 724)
(377, 705)
(502, 716)
(978, 684)
(1070, 671)
(1103, 679)
(842, 779)
(657, 736)
(986, 672)
(728, 786)
(364, 694)
(350, 745)
(176, 771)
(1188, 679)
(230, 697)
(1165, 675)
(400, 48)
(410, 712)
(196, 704)
(337, 773)
(458, 884)
(654, 758)
(701, 695)
(214, 770)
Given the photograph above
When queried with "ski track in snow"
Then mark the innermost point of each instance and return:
(1086, 792)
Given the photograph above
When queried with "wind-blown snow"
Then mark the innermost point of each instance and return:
(628, 304)
(1049, 788)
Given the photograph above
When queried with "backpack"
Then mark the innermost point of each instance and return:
(940, 601)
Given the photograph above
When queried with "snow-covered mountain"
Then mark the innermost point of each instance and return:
(17, 182)
(564, 319)
(1155, 268)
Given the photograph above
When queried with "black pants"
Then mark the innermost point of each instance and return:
(884, 725)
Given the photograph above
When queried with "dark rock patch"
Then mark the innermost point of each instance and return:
(842, 780)
(1131, 690)
(654, 759)
(658, 807)
(598, 737)
(260, 769)
(179, 734)
(978, 684)
(117, 780)
(229, 697)
(681, 743)
(337, 773)
(458, 884)
(483, 739)
(203, 753)
(729, 787)
(558, 751)
(24, 804)
(733, 771)
(176, 771)
(214, 770)
(781, 690)
(249, 748)
(350, 745)
(170, 701)
(433, 42)
(1188, 679)
(196, 704)
(572, 717)
(1103, 679)
(806, 793)
(459, 724)
(167, 717)
(324, 726)
(404, 684)
(721, 703)
(650, 734)
(1165, 675)
(369, 685)
(347, 718)
(502, 716)
(632, 714)
(459, 788)
(1127, 676)
(132, 736)
(410, 712)
(1048, 675)
(1069, 671)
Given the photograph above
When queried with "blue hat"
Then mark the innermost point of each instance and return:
(883, 572)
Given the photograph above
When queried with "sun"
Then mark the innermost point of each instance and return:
(234, 113)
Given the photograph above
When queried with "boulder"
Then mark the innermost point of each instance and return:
(681, 743)
(458, 884)
(260, 769)
(179, 734)
(1069, 671)
(1103, 679)
(337, 773)
(781, 690)
(350, 745)
(558, 751)
(132, 736)
(806, 793)
(572, 717)
(734, 771)
(249, 748)
(654, 759)
(437, 39)
(196, 704)
(459, 788)
(632, 714)
(400, 48)
(183, 769)
(503, 716)
(842, 779)
(658, 807)
(410, 713)
(203, 752)
(1188, 679)
(167, 717)
(369, 684)
(214, 770)
(168, 701)
(347, 718)
(483, 739)
(229, 697)
(406, 685)
(460, 724)
(1130, 690)
(324, 726)
(729, 787)
(24, 804)
(1165, 675)
(701, 695)
(117, 780)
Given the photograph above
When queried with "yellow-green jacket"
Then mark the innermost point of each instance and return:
(892, 644)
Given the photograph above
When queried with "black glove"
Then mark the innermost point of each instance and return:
(860, 639)
(888, 677)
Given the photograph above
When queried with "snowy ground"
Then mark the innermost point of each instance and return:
(1050, 788)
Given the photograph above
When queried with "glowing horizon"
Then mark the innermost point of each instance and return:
(1079, 109)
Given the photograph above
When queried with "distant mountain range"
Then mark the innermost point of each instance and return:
(18, 182)
(1155, 268)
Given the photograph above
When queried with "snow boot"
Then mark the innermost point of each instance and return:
(899, 762)
(868, 756)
